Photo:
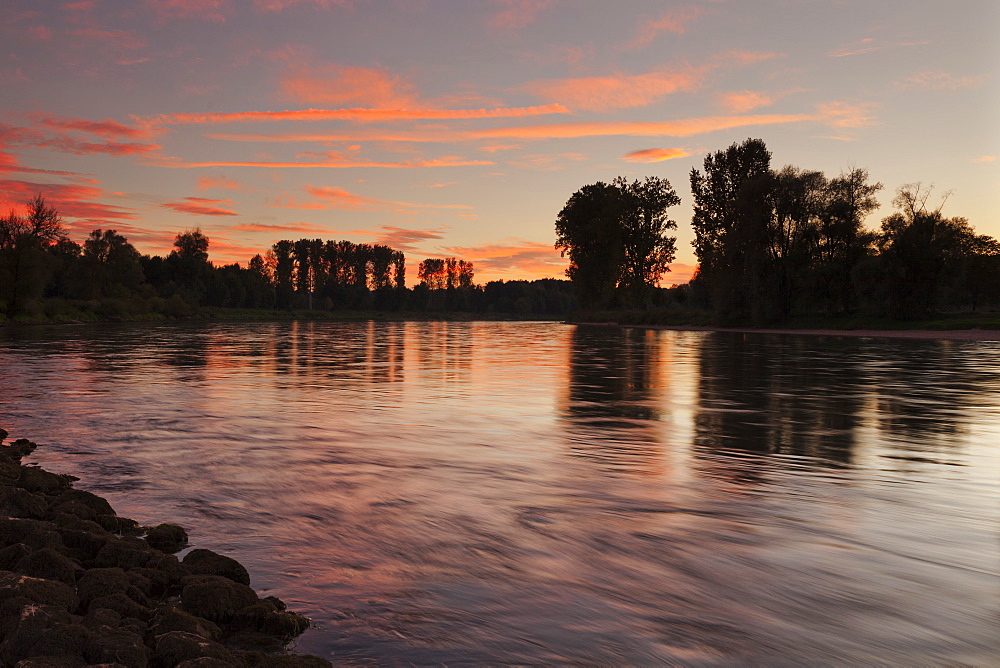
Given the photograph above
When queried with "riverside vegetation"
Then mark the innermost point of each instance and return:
(81, 585)
(774, 247)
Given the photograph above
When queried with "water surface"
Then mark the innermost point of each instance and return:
(537, 492)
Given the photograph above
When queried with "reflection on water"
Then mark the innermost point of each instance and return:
(536, 492)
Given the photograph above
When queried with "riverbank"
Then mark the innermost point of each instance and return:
(949, 334)
(81, 585)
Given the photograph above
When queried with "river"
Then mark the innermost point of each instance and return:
(492, 492)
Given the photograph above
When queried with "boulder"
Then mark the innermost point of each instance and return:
(207, 562)
(38, 591)
(49, 564)
(168, 538)
(215, 598)
(121, 646)
(11, 554)
(98, 582)
(33, 533)
(44, 631)
(18, 502)
(176, 647)
(118, 525)
(125, 552)
(123, 605)
(96, 504)
(38, 480)
(175, 619)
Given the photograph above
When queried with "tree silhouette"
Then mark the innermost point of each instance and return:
(25, 265)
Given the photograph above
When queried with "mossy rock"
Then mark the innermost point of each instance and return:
(207, 562)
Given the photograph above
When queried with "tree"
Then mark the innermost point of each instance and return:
(732, 211)
(646, 250)
(843, 241)
(189, 266)
(588, 230)
(111, 265)
(25, 266)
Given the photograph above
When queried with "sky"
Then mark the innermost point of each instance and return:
(461, 127)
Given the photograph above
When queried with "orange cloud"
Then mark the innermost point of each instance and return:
(846, 114)
(405, 239)
(547, 161)
(281, 5)
(675, 21)
(219, 183)
(743, 101)
(338, 85)
(985, 158)
(517, 13)
(16, 136)
(868, 45)
(746, 57)
(938, 80)
(350, 115)
(119, 39)
(307, 228)
(656, 154)
(331, 164)
(514, 259)
(106, 128)
(615, 92)
(206, 10)
(201, 206)
(70, 200)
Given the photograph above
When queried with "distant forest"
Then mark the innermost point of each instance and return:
(771, 245)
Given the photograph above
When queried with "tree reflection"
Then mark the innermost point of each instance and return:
(778, 394)
(612, 408)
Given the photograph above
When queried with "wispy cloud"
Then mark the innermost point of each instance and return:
(740, 102)
(406, 239)
(513, 258)
(938, 80)
(516, 14)
(675, 21)
(656, 154)
(219, 183)
(214, 11)
(620, 91)
(358, 114)
(362, 86)
(847, 114)
(70, 199)
(985, 158)
(201, 206)
(305, 228)
(107, 128)
(11, 135)
(870, 45)
(328, 164)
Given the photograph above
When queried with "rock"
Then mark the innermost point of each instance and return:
(83, 511)
(294, 661)
(207, 662)
(11, 554)
(84, 545)
(10, 470)
(38, 591)
(125, 552)
(49, 564)
(152, 582)
(119, 646)
(118, 525)
(174, 619)
(98, 582)
(20, 448)
(263, 617)
(168, 538)
(36, 479)
(207, 562)
(18, 502)
(122, 604)
(215, 598)
(33, 533)
(99, 617)
(50, 662)
(45, 631)
(97, 504)
(177, 646)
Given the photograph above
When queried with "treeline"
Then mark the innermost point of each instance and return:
(45, 274)
(776, 244)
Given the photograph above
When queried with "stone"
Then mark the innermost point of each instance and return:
(264, 618)
(294, 661)
(125, 553)
(49, 564)
(122, 604)
(33, 533)
(215, 598)
(36, 479)
(177, 646)
(83, 545)
(207, 562)
(174, 619)
(97, 504)
(38, 591)
(98, 582)
(11, 554)
(119, 646)
(167, 538)
(118, 525)
(18, 502)
(44, 631)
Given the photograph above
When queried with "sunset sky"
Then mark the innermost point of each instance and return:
(461, 127)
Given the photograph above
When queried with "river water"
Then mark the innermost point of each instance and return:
(438, 493)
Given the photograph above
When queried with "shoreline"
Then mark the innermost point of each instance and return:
(947, 334)
(81, 585)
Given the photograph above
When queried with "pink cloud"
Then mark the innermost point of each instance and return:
(656, 154)
(350, 85)
(69, 199)
(405, 239)
(281, 5)
(675, 21)
(219, 183)
(743, 101)
(869, 45)
(360, 114)
(107, 128)
(746, 57)
(448, 161)
(615, 92)
(938, 80)
(206, 10)
(201, 206)
(517, 14)
(117, 38)
(306, 228)
(514, 259)
(847, 114)
(40, 33)
(546, 161)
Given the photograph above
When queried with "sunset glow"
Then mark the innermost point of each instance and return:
(453, 128)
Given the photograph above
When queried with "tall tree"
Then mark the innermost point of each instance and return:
(25, 266)
(732, 211)
(647, 251)
(111, 265)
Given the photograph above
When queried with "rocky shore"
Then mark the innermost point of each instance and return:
(82, 586)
